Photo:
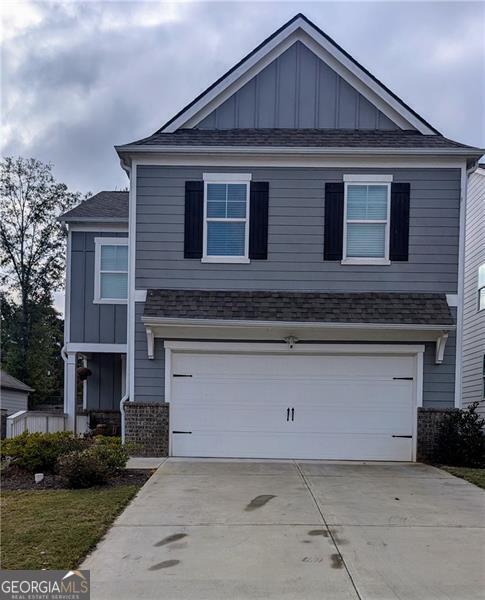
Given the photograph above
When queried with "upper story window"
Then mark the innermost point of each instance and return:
(481, 287)
(226, 217)
(366, 219)
(111, 270)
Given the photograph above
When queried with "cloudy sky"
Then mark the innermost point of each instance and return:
(80, 77)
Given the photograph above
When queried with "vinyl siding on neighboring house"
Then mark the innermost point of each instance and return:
(93, 323)
(295, 252)
(474, 321)
(297, 90)
(12, 401)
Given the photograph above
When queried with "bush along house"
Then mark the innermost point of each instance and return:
(284, 278)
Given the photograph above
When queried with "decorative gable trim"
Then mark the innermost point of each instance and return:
(300, 29)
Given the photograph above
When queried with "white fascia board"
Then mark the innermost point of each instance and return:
(115, 227)
(154, 321)
(296, 151)
(301, 31)
(299, 347)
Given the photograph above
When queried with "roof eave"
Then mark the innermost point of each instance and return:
(157, 321)
(122, 220)
(343, 151)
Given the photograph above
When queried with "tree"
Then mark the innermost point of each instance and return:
(32, 252)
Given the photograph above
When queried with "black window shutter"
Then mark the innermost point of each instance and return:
(194, 219)
(399, 232)
(334, 221)
(258, 220)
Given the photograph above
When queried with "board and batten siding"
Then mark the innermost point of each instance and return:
(104, 383)
(92, 323)
(297, 90)
(295, 252)
(474, 320)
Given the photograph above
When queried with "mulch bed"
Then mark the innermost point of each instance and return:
(13, 478)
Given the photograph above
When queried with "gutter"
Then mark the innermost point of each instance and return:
(311, 151)
(157, 321)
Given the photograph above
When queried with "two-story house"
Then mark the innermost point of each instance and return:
(284, 277)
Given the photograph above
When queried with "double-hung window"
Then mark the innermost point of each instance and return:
(226, 217)
(366, 219)
(481, 287)
(111, 270)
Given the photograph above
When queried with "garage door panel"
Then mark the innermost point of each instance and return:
(345, 407)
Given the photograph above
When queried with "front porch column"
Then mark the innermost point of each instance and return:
(70, 390)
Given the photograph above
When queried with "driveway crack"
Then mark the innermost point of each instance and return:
(330, 533)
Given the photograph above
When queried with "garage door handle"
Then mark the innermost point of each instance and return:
(403, 436)
(403, 378)
(182, 432)
(292, 414)
(287, 414)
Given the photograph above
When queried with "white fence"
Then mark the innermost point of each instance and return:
(42, 422)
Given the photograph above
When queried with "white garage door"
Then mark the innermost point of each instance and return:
(292, 406)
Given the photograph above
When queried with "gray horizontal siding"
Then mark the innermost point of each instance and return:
(297, 90)
(149, 373)
(295, 248)
(12, 401)
(474, 321)
(93, 323)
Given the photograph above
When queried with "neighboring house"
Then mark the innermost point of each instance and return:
(474, 296)
(288, 265)
(14, 394)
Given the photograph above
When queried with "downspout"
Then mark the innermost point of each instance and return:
(126, 396)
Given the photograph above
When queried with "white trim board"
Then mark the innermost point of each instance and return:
(298, 348)
(300, 30)
(203, 158)
(91, 347)
(158, 321)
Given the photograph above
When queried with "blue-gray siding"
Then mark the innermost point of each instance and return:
(295, 257)
(295, 241)
(297, 90)
(94, 323)
(473, 320)
(104, 384)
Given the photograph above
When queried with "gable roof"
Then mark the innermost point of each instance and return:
(301, 28)
(11, 383)
(300, 138)
(108, 206)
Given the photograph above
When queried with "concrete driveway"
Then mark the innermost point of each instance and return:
(212, 530)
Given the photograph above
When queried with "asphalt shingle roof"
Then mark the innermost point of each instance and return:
(102, 206)
(390, 308)
(299, 138)
(10, 383)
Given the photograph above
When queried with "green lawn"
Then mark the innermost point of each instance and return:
(476, 476)
(55, 529)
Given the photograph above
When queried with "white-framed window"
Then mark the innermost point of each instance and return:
(110, 270)
(226, 217)
(367, 206)
(481, 287)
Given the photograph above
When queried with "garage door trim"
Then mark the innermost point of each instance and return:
(350, 349)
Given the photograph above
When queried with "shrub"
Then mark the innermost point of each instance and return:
(39, 452)
(111, 451)
(461, 440)
(83, 468)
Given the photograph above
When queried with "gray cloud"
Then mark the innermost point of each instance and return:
(81, 77)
